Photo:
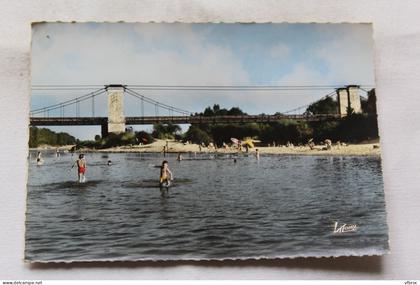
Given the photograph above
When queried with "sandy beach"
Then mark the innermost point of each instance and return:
(179, 147)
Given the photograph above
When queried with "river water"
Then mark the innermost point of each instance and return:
(277, 206)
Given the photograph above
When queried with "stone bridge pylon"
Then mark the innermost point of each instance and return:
(116, 117)
(348, 97)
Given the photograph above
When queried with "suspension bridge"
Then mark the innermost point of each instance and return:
(116, 121)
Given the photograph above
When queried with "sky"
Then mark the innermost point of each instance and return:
(197, 54)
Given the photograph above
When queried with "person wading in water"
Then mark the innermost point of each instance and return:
(81, 168)
(165, 178)
(165, 175)
(39, 160)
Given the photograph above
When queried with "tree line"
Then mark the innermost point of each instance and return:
(40, 136)
(355, 127)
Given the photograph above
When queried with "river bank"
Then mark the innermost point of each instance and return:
(179, 147)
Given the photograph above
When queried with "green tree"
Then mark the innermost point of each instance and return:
(325, 106)
(358, 127)
(235, 111)
(217, 111)
(285, 131)
(371, 103)
(196, 135)
(39, 136)
(165, 131)
(128, 138)
(325, 130)
(144, 137)
(222, 133)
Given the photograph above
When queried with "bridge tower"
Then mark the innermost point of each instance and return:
(348, 97)
(116, 118)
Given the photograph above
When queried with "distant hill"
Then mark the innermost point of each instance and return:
(39, 136)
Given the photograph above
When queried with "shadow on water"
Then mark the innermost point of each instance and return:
(69, 185)
(153, 183)
(146, 183)
(367, 264)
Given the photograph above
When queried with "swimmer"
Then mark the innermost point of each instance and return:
(179, 158)
(234, 160)
(81, 168)
(109, 163)
(39, 160)
(257, 154)
(165, 175)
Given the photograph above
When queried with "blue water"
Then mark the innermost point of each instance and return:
(278, 206)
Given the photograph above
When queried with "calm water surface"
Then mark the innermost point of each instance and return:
(277, 206)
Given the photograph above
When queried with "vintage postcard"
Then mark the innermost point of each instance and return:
(172, 141)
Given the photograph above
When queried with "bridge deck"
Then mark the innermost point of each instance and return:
(149, 120)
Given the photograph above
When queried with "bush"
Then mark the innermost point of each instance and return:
(286, 131)
(222, 133)
(358, 127)
(144, 137)
(113, 140)
(196, 135)
(325, 129)
(165, 131)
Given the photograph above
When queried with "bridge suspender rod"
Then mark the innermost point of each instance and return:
(154, 102)
(69, 102)
(93, 106)
(77, 108)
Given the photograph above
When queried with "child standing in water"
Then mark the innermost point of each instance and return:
(81, 168)
(165, 175)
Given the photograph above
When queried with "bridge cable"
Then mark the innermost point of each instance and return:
(307, 105)
(93, 106)
(234, 87)
(156, 103)
(68, 102)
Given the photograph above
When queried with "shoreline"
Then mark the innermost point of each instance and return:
(362, 149)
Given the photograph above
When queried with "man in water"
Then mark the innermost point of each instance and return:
(165, 175)
(257, 153)
(81, 168)
(39, 160)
